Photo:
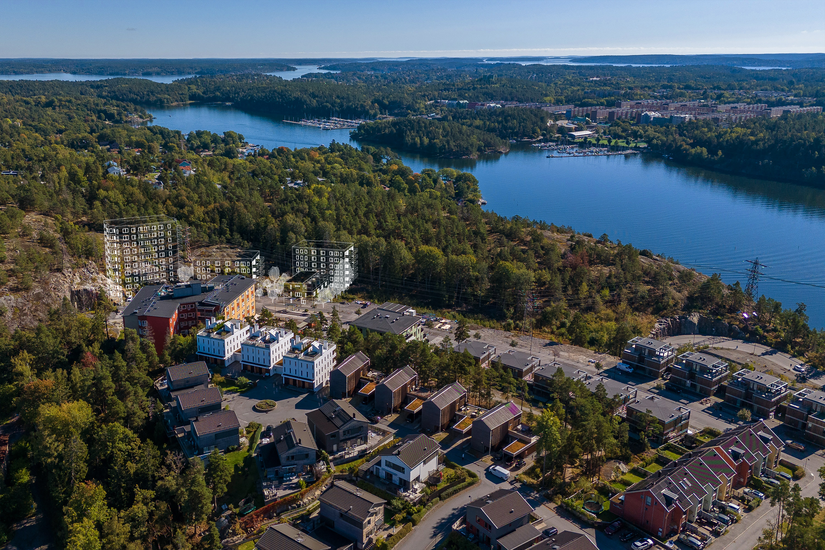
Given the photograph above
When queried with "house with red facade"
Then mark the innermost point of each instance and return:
(662, 503)
(159, 312)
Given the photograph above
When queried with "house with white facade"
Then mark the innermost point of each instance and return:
(408, 463)
(308, 363)
(218, 342)
(263, 351)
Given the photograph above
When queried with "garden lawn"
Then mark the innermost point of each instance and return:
(653, 468)
(633, 477)
(243, 480)
(784, 469)
(248, 545)
(670, 454)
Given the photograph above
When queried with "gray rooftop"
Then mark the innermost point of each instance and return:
(198, 398)
(344, 496)
(662, 409)
(386, 320)
(503, 507)
(613, 388)
(475, 348)
(414, 449)
(398, 378)
(499, 415)
(286, 537)
(215, 422)
(702, 359)
(292, 434)
(186, 370)
(353, 363)
(519, 360)
(520, 536)
(160, 300)
(570, 370)
(650, 343)
(447, 395)
(333, 414)
(566, 540)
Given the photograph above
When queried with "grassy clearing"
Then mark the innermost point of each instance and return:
(671, 455)
(784, 469)
(248, 545)
(244, 478)
(653, 468)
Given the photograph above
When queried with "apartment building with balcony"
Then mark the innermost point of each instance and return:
(218, 342)
(264, 350)
(699, 373)
(757, 391)
(308, 363)
(673, 418)
(648, 356)
(806, 413)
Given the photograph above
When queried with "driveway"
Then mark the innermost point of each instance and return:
(291, 404)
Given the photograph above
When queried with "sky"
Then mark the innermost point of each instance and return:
(390, 28)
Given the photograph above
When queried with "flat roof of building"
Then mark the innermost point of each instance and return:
(516, 359)
(475, 348)
(385, 320)
(662, 409)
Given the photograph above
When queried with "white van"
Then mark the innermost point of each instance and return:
(624, 367)
(733, 507)
(499, 472)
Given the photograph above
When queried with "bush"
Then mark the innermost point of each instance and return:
(458, 488)
(798, 472)
(218, 379)
(754, 504)
(370, 488)
(266, 405)
(398, 537)
(417, 517)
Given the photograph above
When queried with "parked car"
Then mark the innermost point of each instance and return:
(550, 532)
(627, 535)
(800, 368)
(624, 367)
(723, 519)
(642, 544)
(693, 542)
(784, 475)
(794, 445)
(613, 528)
(753, 493)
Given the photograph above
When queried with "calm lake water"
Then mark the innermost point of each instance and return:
(707, 220)
(166, 79)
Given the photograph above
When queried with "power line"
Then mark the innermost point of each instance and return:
(752, 288)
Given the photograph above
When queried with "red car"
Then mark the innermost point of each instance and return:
(613, 528)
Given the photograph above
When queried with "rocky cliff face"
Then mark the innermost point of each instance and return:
(694, 324)
(79, 284)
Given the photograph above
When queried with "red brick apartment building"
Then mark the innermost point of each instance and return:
(161, 311)
(663, 502)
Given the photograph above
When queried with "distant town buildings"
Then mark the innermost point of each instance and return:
(141, 251)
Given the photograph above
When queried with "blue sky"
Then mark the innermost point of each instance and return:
(316, 28)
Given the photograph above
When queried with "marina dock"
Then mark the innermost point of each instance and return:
(333, 123)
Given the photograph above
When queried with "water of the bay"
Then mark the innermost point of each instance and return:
(703, 219)
(300, 71)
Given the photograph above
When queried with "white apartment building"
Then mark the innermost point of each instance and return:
(263, 351)
(307, 364)
(218, 342)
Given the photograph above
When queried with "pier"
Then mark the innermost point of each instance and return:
(333, 123)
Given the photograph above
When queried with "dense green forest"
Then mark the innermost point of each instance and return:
(790, 147)
(435, 138)
(141, 67)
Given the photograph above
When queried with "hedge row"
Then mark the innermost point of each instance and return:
(416, 518)
(390, 543)
(458, 488)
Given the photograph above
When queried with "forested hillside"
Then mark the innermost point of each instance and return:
(430, 137)
(785, 148)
